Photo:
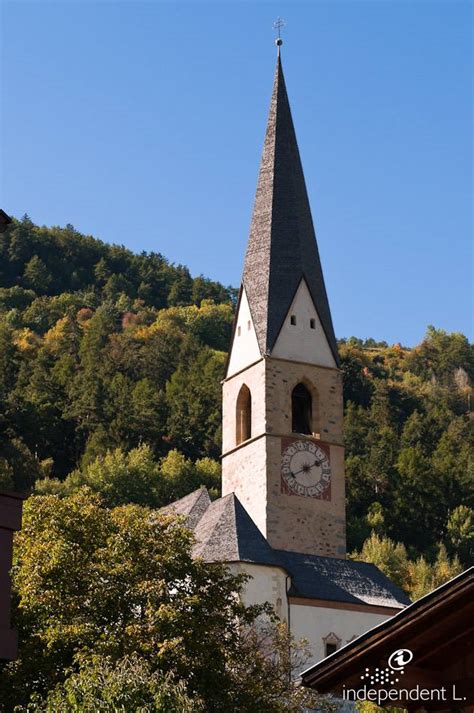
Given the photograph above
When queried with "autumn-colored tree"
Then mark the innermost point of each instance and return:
(114, 597)
(85, 370)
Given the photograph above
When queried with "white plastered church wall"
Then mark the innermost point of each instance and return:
(245, 349)
(314, 623)
(267, 584)
(301, 341)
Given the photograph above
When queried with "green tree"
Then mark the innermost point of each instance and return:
(120, 477)
(180, 476)
(390, 557)
(37, 275)
(453, 465)
(181, 288)
(193, 398)
(137, 477)
(440, 354)
(460, 534)
(416, 487)
(423, 577)
(117, 285)
(88, 392)
(100, 591)
(358, 383)
(9, 361)
(128, 684)
(148, 413)
(417, 577)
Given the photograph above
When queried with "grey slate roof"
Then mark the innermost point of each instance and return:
(192, 506)
(282, 245)
(225, 532)
(340, 580)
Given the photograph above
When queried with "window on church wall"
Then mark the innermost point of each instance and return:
(331, 643)
(243, 415)
(301, 410)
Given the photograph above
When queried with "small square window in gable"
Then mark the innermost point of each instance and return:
(239, 331)
(249, 324)
(312, 323)
(293, 319)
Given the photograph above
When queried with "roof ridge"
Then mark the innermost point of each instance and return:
(192, 506)
(208, 525)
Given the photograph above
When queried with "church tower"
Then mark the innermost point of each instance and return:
(283, 452)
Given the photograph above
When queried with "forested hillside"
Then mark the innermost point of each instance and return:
(110, 368)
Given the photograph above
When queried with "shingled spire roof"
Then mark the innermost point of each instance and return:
(282, 245)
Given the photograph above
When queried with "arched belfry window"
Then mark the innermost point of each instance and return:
(244, 415)
(301, 410)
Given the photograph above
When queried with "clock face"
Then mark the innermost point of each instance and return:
(306, 469)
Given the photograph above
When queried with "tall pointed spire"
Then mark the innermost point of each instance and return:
(282, 247)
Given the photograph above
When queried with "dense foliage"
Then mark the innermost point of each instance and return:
(409, 443)
(110, 366)
(114, 613)
(110, 406)
(103, 349)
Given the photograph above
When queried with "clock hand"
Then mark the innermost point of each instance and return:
(302, 470)
(298, 471)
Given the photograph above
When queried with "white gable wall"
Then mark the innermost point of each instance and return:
(245, 349)
(299, 342)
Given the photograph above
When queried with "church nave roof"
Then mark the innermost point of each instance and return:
(225, 532)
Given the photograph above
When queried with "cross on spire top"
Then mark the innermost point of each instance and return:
(278, 25)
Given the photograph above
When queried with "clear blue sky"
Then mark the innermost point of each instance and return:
(142, 124)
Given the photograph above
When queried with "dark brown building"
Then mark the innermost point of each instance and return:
(426, 649)
(10, 520)
(5, 220)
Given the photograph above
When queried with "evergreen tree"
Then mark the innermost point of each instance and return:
(37, 275)
(193, 400)
(460, 533)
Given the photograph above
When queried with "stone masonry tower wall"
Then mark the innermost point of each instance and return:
(253, 469)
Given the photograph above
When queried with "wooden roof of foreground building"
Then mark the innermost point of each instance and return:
(5, 220)
(438, 630)
(225, 532)
(282, 247)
